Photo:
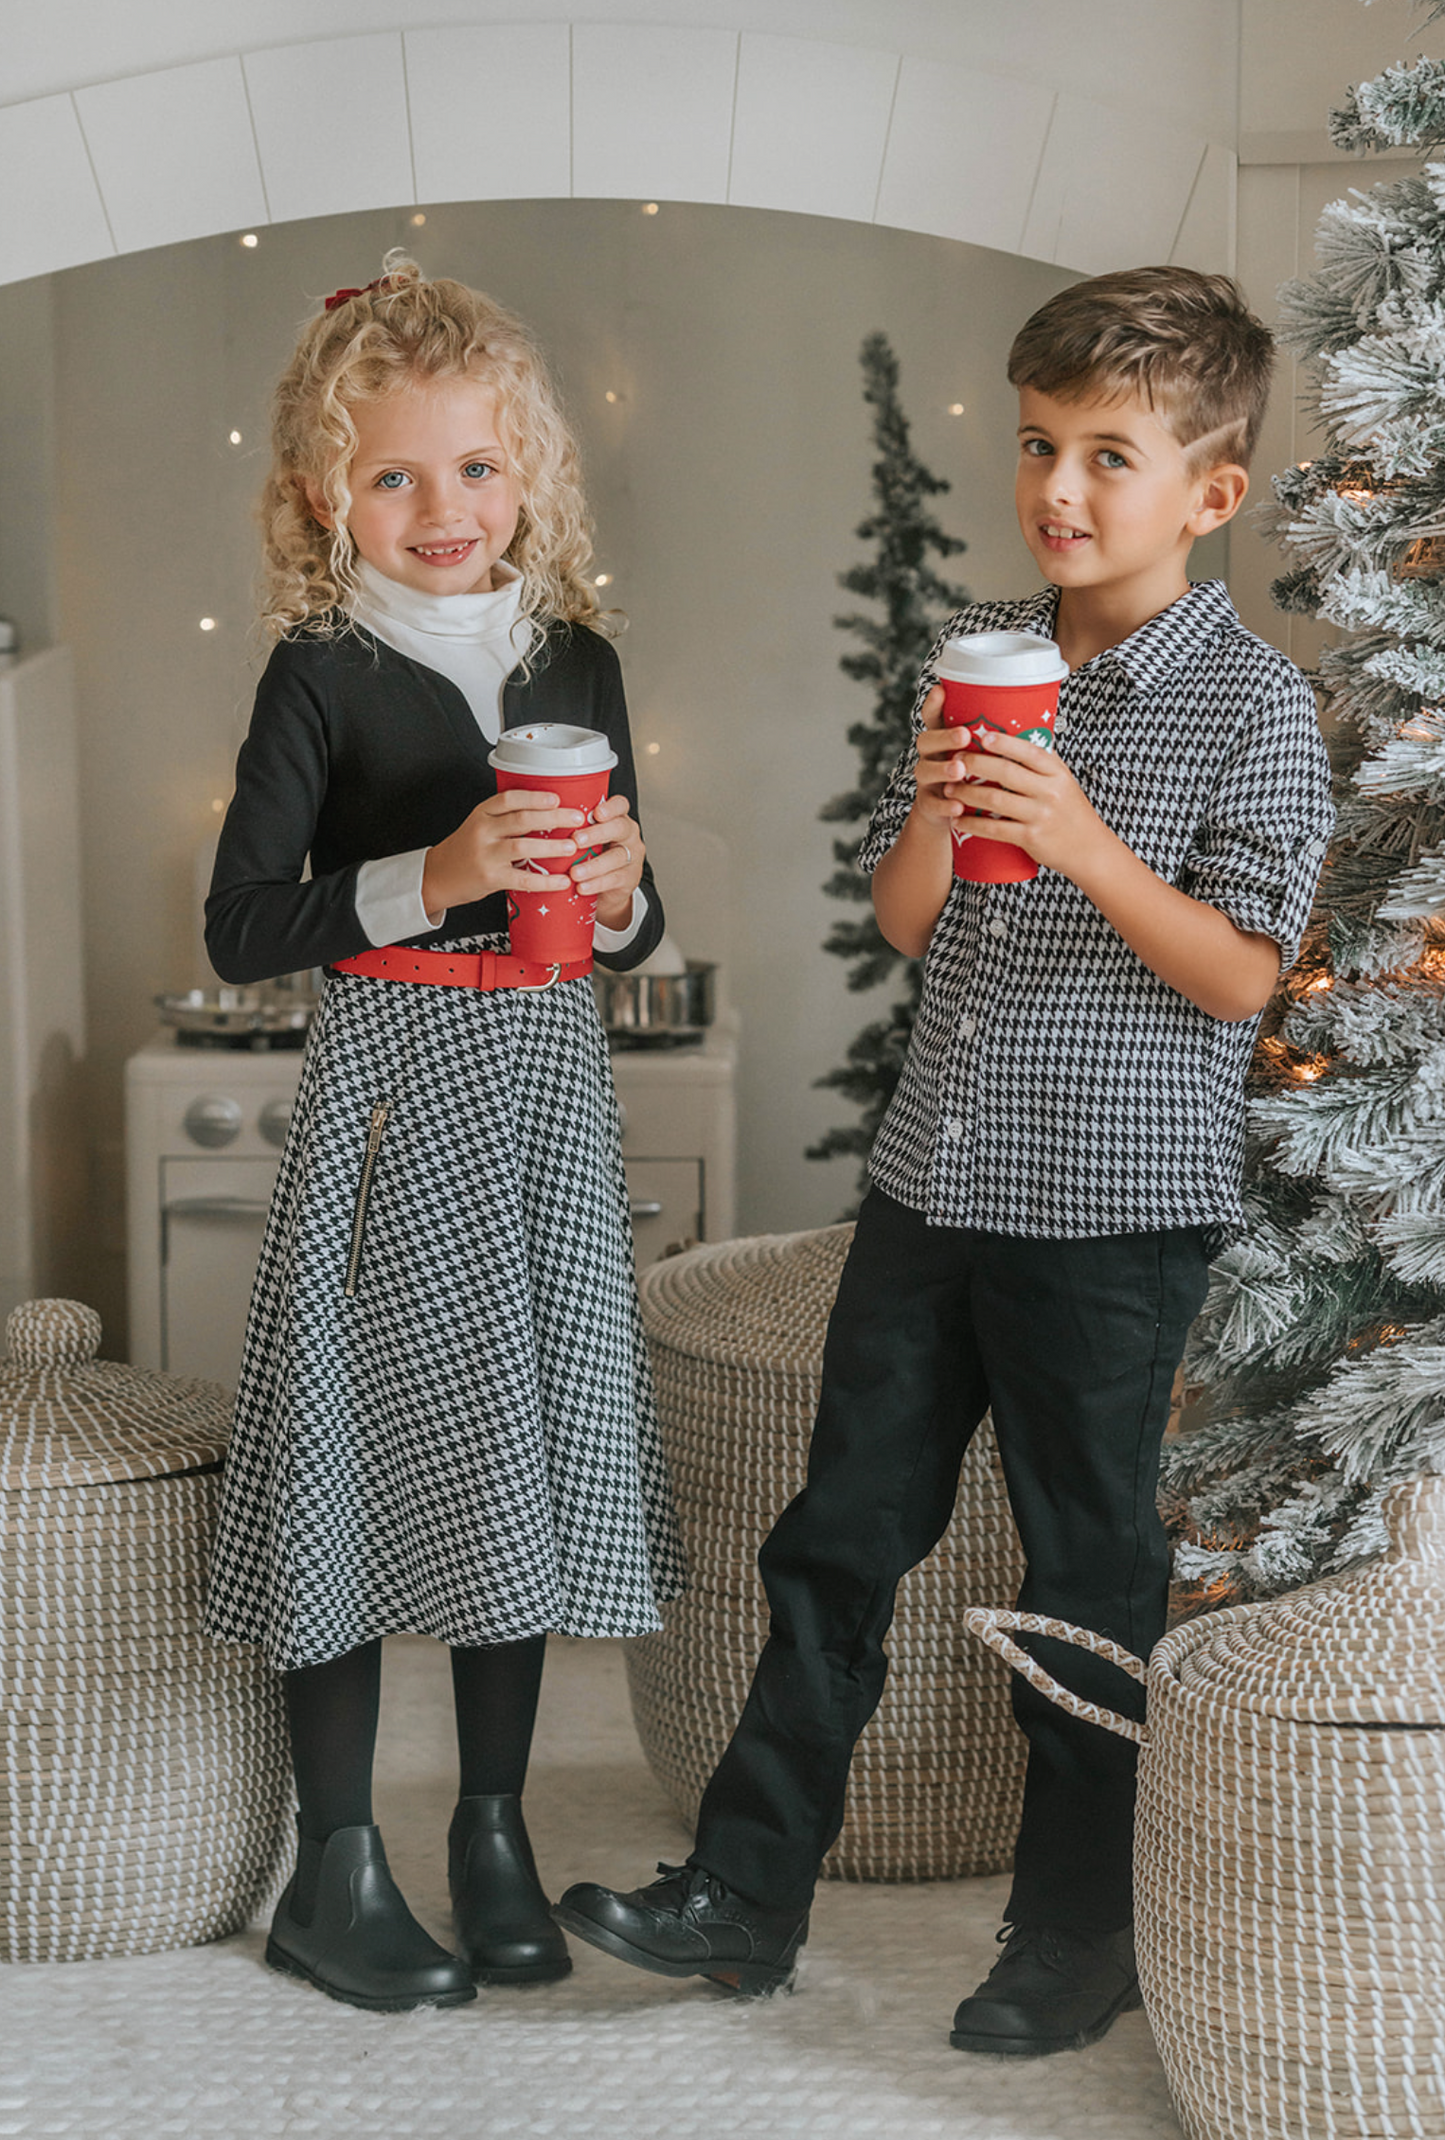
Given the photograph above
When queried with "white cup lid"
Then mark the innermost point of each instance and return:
(552, 747)
(1002, 658)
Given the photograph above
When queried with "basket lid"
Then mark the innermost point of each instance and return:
(1365, 1648)
(68, 1419)
(759, 1301)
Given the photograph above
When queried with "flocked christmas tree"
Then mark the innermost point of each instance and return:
(1321, 1349)
(914, 602)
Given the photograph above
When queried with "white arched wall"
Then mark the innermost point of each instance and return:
(913, 131)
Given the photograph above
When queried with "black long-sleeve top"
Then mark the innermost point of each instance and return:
(356, 752)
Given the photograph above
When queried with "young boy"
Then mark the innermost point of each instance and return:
(1061, 1157)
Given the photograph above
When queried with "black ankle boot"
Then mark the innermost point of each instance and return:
(343, 1925)
(503, 1920)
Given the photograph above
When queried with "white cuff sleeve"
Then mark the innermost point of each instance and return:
(605, 939)
(388, 899)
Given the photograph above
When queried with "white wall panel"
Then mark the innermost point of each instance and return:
(42, 1003)
(1206, 236)
(491, 112)
(174, 153)
(812, 121)
(53, 215)
(651, 111)
(331, 125)
(963, 153)
(1112, 188)
(1176, 57)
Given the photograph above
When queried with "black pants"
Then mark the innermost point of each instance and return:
(1073, 1345)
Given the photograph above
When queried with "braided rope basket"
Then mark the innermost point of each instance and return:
(736, 1335)
(144, 1779)
(1289, 1848)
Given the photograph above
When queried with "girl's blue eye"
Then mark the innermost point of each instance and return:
(1112, 459)
(478, 468)
(392, 480)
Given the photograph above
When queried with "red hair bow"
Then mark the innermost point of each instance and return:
(342, 297)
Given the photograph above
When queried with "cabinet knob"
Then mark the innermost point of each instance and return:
(212, 1120)
(646, 1207)
(275, 1120)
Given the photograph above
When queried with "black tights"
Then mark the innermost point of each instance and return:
(332, 1709)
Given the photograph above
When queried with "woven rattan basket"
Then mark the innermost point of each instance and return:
(1289, 1879)
(737, 1338)
(144, 1781)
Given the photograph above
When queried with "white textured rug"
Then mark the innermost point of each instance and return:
(208, 2044)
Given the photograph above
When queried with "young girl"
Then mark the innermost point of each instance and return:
(444, 1421)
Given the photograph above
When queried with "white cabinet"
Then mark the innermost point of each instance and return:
(203, 1135)
(43, 1131)
(679, 1142)
(203, 1130)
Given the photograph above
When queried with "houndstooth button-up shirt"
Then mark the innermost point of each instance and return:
(1054, 1086)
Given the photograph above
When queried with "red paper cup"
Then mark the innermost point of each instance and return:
(553, 925)
(1008, 681)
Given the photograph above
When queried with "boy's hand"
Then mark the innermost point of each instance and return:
(940, 768)
(487, 851)
(613, 872)
(1034, 803)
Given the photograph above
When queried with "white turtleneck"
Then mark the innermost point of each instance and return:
(475, 641)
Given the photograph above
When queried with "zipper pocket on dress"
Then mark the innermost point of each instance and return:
(380, 1116)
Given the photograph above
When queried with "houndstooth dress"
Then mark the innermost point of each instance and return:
(445, 1416)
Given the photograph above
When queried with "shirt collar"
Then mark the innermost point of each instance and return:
(1159, 647)
(1176, 636)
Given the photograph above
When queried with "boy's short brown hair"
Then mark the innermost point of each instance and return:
(1186, 343)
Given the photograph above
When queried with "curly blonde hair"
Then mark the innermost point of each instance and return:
(401, 331)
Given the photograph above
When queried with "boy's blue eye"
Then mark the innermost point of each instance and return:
(392, 480)
(1037, 447)
(1112, 459)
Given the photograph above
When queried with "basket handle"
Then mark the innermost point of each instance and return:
(988, 1622)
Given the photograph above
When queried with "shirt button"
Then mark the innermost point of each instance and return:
(997, 927)
(968, 1025)
(953, 1129)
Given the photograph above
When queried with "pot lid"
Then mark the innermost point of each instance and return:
(68, 1419)
(1366, 1648)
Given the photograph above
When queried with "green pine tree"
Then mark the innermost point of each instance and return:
(914, 601)
(1320, 1355)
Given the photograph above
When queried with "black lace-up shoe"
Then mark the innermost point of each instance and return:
(1049, 1991)
(689, 1924)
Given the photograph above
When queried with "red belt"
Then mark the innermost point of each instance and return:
(458, 969)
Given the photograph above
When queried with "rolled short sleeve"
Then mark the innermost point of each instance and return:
(1261, 844)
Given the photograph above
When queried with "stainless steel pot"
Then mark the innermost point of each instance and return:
(653, 1004)
(278, 1012)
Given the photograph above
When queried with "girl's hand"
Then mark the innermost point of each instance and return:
(1034, 803)
(486, 852)
(938, 795)
(612, 873)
